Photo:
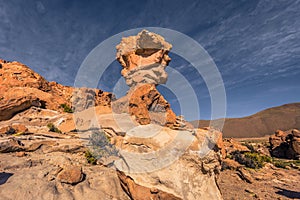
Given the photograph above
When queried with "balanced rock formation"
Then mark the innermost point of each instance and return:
(21, 88)
(156, 157)
(285, 144)
(144, 58)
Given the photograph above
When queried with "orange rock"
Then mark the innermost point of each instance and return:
(296, 133)
(232, 145)
(20, 128)
(21, 88)
(220, 145)
(146, 99)
(230, 164)
(20, 154)
(280, 133)
(71, 175)
(144, 58)
(285, 144)
(11, 145)
(144, 49)
(15, 128)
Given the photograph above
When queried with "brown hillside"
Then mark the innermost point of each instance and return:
(262, 123)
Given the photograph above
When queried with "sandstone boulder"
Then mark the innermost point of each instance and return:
(190, 175)
(71, 175)
(296, 142)
(285, 144)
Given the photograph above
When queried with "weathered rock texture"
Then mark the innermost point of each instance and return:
(136, 191)
(70, 175)
(286, 144)
(21, 88)
(192, 175)
(46, 160)
(146, 100)
(144, 58)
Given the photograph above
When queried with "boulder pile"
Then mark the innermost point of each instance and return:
(285, 144)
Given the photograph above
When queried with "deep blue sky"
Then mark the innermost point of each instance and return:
(254, 43)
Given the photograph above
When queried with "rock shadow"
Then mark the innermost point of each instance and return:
(4, 177)
(288, 193)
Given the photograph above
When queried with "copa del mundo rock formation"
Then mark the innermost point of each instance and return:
(144, 58)
(156, 155)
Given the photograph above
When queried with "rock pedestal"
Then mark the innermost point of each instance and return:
(144, 58)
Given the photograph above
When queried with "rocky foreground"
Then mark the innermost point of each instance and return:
(253, 169)
(49, 165)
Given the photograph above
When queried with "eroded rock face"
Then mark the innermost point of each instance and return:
(191, 175)
(84, 98)
(144, 58)
(146, 101)
(10, 145)
(21, 88)
(285, 144)
(136, 191)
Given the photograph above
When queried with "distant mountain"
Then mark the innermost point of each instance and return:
(260, 124)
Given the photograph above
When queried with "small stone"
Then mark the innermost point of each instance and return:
(20, 154)
(245, 175)
(71, 175)
(249, 191)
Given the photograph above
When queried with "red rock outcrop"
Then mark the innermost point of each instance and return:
(231, 145)
(147, 99)
(21, 88)
(285, 144)
(144, 58)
